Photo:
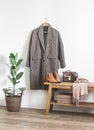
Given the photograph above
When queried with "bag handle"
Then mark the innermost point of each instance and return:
(70, 72)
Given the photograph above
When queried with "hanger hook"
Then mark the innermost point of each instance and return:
(46, 19)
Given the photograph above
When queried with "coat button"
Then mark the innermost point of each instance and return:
(43, 60)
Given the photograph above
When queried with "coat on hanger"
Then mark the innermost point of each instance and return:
(44, 57)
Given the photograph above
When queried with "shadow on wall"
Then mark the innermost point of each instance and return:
(3, 71)
(3, 79)
(24, 56)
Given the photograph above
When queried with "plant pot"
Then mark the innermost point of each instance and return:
(13, 103)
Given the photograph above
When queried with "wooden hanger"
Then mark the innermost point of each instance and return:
(45, 23)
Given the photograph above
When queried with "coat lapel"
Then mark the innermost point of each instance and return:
(48, 36)
(41, 36)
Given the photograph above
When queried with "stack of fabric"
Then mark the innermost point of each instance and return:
(64, 98)
(80, 90)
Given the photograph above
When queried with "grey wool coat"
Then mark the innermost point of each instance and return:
(44, 57)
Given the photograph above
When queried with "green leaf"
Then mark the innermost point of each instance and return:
(6, 90)
(17, 68)
(12, 55)
(12, 61)
(22, 89)
(19, 75)
(13, 80)
(17, 82)
(18, 65)
(12, 72)
(13, 67)
(19, 62)
(9, 94)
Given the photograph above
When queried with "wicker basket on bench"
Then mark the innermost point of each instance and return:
(64, 98)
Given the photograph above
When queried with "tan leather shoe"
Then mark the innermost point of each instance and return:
(56, 75)
(50, 78)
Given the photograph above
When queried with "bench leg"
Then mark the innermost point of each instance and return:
(49, 99)
(52, 98)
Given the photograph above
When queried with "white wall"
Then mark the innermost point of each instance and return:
(74, 19)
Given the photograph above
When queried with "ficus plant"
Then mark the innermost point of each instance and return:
(14, 76)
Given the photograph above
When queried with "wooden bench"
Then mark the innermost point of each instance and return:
(63, 85)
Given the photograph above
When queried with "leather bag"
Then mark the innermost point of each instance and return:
(69, 76)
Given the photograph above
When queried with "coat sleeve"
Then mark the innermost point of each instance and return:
(61, 52)
(28, 53)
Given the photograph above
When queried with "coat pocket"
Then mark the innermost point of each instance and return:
(36, 58)
(51, 57)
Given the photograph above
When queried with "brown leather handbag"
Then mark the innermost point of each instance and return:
(69, 76)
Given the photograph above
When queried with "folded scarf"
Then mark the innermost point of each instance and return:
(80, 90)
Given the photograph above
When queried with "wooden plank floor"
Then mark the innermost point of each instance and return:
(28, 119)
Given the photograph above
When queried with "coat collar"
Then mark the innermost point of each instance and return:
(41, 36)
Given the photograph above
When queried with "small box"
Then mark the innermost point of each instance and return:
(64, 98)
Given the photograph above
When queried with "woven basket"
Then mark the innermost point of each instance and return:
(13, 103)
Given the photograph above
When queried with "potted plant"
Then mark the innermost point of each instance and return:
(13, 95)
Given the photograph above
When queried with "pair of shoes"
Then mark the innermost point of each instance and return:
(53, 78)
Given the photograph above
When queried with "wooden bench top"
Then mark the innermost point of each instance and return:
(67, 85)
